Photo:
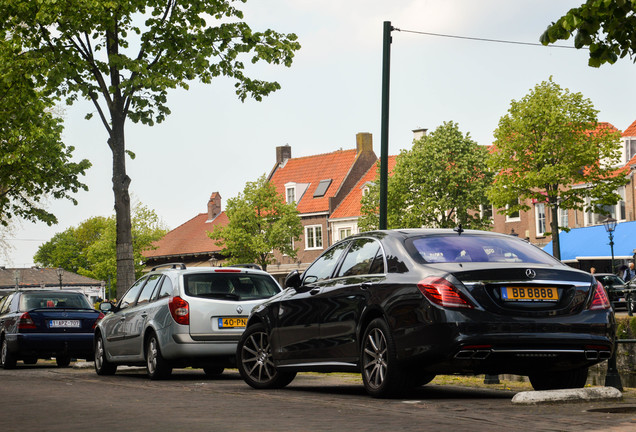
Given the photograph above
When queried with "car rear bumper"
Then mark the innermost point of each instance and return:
(46, 345)
(182, 346)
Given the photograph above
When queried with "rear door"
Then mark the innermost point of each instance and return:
(137, 316)
(115, 324)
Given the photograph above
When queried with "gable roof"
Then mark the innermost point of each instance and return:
(36, 277)
(190, 238)
(630, 131)
(351, 205)
(311, 170)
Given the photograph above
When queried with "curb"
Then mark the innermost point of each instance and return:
(567, 395)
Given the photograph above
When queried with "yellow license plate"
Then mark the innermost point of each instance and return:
(530, 293)
(236, 322)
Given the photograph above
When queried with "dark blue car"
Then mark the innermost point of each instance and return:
(41, 324)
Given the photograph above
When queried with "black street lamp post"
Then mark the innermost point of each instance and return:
(60, 272)
(612, 378)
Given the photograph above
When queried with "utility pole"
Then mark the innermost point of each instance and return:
(384, 132)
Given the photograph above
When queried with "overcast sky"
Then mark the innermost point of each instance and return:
(214, 143)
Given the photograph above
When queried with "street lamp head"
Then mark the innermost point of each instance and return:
(59, 271)
(610, 224)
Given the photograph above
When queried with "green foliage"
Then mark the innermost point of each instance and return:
(440, 183)
(89, 249)
(34, 163)
(606, 27)
(626, 327)
(259, 222)
(548, 141)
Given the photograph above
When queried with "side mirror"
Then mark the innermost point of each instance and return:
(293, 280)
(106, 307)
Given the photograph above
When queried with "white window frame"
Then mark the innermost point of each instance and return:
(511, 218)
(345, 229)
(290, 187)
(540, 220)
(313, 241)
(618, 212)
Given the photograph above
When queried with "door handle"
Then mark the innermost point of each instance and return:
(314, 291)
(366, 285)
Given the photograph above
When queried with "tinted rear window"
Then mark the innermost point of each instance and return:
(230, 286)
(54, 300)
(454, 248)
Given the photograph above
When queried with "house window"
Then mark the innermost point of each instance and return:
(485, 211)
(322, 187)
(313, 237)
(539, 211)
(603, 212)
(515, 216)
(291, 195)
(563, 218)
(344, 233)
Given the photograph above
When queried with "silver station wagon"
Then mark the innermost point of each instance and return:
(176, 317)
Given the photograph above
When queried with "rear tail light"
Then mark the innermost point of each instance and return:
(99, 318)
(180, 310)
(600, 300)
(25, 322)
(443, 293)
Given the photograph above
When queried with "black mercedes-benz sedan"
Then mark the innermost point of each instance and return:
(401, 306)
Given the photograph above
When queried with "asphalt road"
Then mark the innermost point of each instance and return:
(47, 398)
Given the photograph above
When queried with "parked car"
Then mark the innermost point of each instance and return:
(39, 324)
(178, 317)
(615, 287)
(401, 306)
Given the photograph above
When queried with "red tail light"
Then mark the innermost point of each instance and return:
(99, 318)
(26, 322)
(443, 293)
(600, 300)
(180, 310)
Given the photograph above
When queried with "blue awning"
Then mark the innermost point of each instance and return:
(593, 243)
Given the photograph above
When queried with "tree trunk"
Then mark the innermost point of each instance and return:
(554, 227)
(121, 182)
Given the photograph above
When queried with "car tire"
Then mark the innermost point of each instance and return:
(156, 366)
(213, 371)
(7, 359)
(62, 360)
(254, 360)
(102, 365)
(381, 374)
(575, 378)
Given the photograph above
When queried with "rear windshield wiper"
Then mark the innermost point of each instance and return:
(220, 296)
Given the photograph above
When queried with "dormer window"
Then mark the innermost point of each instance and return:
(291, 195)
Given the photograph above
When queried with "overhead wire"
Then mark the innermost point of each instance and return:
(482, 39)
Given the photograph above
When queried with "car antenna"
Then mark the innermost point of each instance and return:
(458, 229)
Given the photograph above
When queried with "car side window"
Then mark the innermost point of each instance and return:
(7, 303)
(361, 256)
(166, 288)
(324, 266)
(148, 289)
(129, 298)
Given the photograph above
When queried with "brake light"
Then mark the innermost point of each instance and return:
(180, 310)
(443, 293)
(99, 318)
(26, 322)
(600, 300)
(227, 270)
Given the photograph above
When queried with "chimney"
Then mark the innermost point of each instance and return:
(214, 205)
(283, 153)
(419, 133)
(364, 142)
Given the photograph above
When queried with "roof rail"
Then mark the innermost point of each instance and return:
(180, 266)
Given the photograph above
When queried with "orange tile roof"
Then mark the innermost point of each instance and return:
(351, 205)
(312, 169)
(189, 238)
(631, 130)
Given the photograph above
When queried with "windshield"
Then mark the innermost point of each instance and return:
(453, 248)
(68, 300)
(230, 286)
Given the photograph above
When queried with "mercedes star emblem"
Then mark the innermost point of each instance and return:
(531, 274)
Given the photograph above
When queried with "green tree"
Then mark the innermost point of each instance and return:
(606, 27)
(549, 141)
(439, 183)
(34, 163)
(124, 56)
(259, 222)
(90, 248)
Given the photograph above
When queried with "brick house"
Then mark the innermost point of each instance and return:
(317, 184)
(189, 243)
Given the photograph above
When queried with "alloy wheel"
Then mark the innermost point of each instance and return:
(256, 357)
(375, 358)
